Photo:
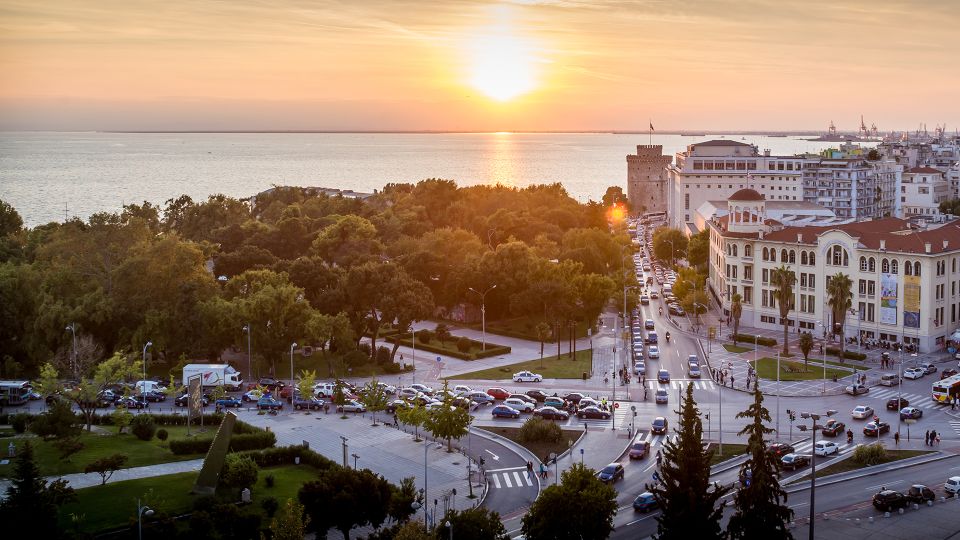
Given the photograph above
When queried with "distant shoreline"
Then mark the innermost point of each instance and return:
(691, 133)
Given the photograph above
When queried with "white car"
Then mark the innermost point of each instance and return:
(856, 389)
(422, 388)
(518, 404)
(462, 389)
(653, 352)
(639, 368)
(913, 373)
(387, 388)
(952, 485)
(825, 448)
(526, 376)
(862, 411)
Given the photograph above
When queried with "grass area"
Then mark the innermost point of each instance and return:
(114, 505)
(552, 368)
(794, 371)
(539, 449)
(526, 328)
(848, 364)
(98, 445)
(729, 451)
(736, 348)
(850, 465)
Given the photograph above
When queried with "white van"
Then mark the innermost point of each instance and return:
(889, 379)
(148, 386)
(324, 389)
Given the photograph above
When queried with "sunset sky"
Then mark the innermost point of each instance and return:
(477, 66)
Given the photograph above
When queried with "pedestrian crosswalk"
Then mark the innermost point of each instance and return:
(655, 440)
(682, 384)
(514, 477)
(916, 400)
(806, 448)
(955, 425)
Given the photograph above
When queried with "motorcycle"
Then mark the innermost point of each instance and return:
(661, 311)
(668, 337)
(849, 437)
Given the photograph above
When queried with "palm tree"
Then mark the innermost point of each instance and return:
(736, 310)
(840, 291)
(783, 280)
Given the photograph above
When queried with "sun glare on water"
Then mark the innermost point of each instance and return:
(503, 67)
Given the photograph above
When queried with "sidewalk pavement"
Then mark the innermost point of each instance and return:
(84, 480)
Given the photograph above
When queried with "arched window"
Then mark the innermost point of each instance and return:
(813, 258)
(803, 257)
(839, 256)
(765, 254)
(734, 250)
(747, 251)
(863, 264)
(793, 257)
(783, 255)
(907, 269)
(885, 266)
(895, 266)
(916, 268)
(872, 264)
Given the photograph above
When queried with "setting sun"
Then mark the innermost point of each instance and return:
(503, 67)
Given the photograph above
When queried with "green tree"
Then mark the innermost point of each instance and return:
(760, 509)
(106, 466)
(344, 499)
(290, 523)
(415, 416)
(448, 421)
(442, 332)
(281, 310)
(840, 300)
(471, 524)
(239, 471)
(412, 530)
(736, 311)
(306, 382)
(783, 279)
(375, 397)
(690, 504)
(669, 244)
(30, 500)
(615, 195)
(402, 498)
(10, 220)
(581, 507)
(85, 393)
(59, 421)
(350, 241)
(543, 334)
(698, 249)
(121, 418)
(806, 345)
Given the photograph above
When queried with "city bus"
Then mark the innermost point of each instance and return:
(14, 392)
(947, 389)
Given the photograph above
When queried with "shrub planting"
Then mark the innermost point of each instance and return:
(537, 429)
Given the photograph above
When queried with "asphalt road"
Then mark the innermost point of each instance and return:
(511, 491)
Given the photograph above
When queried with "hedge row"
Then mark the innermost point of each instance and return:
(492, 350)
(238, 443)
(849, 355)
(765, 341)
(213, 419)
(286, 455)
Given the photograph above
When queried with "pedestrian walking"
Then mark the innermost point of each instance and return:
(529, 469)
(896, 438)
(926, 438)
(396, 422)
(934, 436)
(821, 348)
(938, 440)
(731, 381)
(543, 471)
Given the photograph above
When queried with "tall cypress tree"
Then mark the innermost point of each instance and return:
(685, 495)
(760, 507)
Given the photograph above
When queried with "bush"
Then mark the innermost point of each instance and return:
(238, 443)
(270, 505)
(869, 454)
(143, 427)
(356, 358)
(58, 422)
(365, 349)
(239, 471)
(287, 455)
(765, 341)
(162, 434)
(19, 422)
(383, 355)
(270, 480)
(537, 429)
(464, 344)
(849, 355)
(425, 336)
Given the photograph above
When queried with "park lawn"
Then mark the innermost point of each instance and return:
(848, 364)
(99, 445)
(736, 348)
(767, 369)
(850, 465)
(526, 328)
(564, 368)
(114, 505)
(729, 451)
(540, 449)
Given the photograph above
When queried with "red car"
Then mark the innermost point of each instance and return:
(498, 393)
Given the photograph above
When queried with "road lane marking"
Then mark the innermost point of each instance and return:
(507, 469)
(885, 484)
(506, 478)
(495, 457)
(516, 476)
(527, 478)
(496, 481)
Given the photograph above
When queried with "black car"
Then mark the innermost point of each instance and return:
(779, 449)
(893, 406)
(611, 473)
(181, 400)
(794, 461)
(875, 429)
(463, 403)
(919, 493)
(888, 500)
(593, 412)
(573, 397)
(267, 382)
(537, 395)
(833, 428)
(659, 425)
(551, 413)
(155, 396)
(131, 402)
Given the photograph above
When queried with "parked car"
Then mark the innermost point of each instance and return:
(504, 411)
(422, 388)
(481, 398)
(527, 376)
(132, 402)
(252, 395)
(825, 448)
(659, 425)
(794, 461)
(155, 396)
(554, 402)
(518, 404)
(537, 395)
(523, 397)
(928, 367)
(611, 473)
(780, 449)
(593, 412)
(914, 373)
(833, 428)
(875, 429)
(181, 400)
(897, 404)
(856, 389)
(310, 403)
(639, 449)
(662, 397)
(663, 376)
(464, 403)
(550, 413)
(911, 412)
(949, 372)
(645, 502)
(268, 403)
(862, 411)
(889, 500)
(461, 389)
(952, 485)
(653, 352)
(397, 404)
(498, 393)
(919, 493)
(228, 401)
(353, 406)
(268, 382)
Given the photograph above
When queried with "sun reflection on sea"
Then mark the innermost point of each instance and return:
(502, 167)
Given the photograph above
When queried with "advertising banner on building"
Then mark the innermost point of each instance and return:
(911, 301)
(888, 298)
(195, 399)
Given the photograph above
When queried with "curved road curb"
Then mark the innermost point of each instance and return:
(518, 449)
(870, 471)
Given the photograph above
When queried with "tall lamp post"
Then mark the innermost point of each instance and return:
(824, 389)
(483, 313)
(73, 329)
(292, 347)
(246, 328)
(142, 511)
(813, 462)
(143, 386)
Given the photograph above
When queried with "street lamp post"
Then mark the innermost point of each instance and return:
(449, 530)
(413, 343)
(813, 462)
(143, 386)
(355, 458)
(73, 365)
(824, 359)
(483, 313)
(292, 347)
(778, 395)
(142, 511)
(246, 328)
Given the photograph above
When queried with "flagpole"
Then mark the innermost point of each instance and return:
(650, 123)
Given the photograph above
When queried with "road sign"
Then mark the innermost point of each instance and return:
(712, 332)
(438, 359)
(616, 405)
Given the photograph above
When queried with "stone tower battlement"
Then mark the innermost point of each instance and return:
(647, 179)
